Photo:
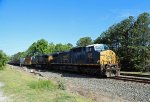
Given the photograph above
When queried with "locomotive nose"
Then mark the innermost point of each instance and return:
(109, 59)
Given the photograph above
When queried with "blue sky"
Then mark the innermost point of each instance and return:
(23, 22)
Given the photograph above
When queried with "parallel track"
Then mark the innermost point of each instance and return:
(133, 79)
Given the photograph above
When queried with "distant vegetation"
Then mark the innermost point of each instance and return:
(3, 59)
(42, 47)
(130, 39)
(84, 41)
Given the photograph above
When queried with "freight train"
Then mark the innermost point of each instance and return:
(95, 59)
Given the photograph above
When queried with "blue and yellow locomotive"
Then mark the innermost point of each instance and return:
(94, 59)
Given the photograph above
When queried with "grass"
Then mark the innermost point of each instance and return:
(42, 84)
(2, 68)
(23, 87)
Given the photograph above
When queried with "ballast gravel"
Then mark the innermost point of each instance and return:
(129, 91)
(102, 89)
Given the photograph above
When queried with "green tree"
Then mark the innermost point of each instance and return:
(39, 47)
(32, 50)
(3, 59)
(84, 41)
(69, 45)
(17, 56)
(60, 47)
(51, 48)
(130, 40)
(140, 39)
(42, 46)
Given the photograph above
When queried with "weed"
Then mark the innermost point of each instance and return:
(42, 84)
(61, 85)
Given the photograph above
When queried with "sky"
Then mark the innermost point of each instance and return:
(23, 22)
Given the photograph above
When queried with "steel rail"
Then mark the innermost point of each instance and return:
(132, 79)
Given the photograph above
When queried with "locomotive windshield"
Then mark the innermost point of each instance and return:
(100, 47)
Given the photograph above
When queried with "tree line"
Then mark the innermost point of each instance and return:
(130, 39)
(42, 47)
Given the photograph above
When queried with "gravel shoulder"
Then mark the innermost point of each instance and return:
(100, 90)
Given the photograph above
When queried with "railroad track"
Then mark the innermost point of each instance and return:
(133, 79)
(135, 75)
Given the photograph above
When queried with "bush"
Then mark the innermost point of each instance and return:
(3, 59)
(146, 68)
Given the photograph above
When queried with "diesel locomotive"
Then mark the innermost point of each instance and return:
(94, 59)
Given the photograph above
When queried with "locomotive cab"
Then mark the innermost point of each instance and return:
(106, 58)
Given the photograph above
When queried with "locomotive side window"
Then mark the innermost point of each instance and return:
(89, 49)
(101, 47)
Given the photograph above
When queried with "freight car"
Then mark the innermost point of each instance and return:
(27, 61)
(41, 61)
(94, 59)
